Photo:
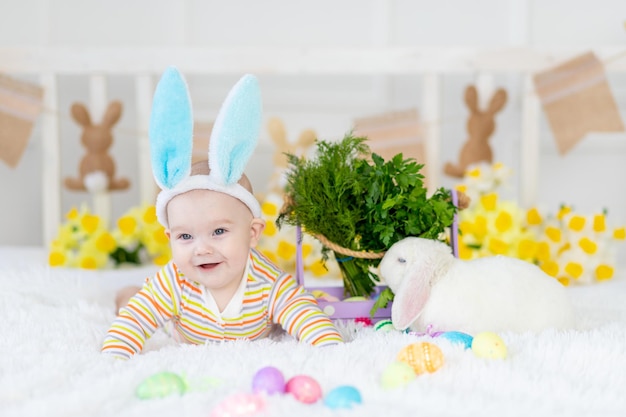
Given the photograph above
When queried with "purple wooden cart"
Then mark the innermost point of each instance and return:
(350, 310)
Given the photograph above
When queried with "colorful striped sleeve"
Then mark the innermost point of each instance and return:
(146, 311)
(298, 313)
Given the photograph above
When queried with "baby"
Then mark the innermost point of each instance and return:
(217, 286)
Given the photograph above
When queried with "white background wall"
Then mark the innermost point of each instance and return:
(589, 177)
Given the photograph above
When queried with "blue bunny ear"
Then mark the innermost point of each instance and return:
(236, 131)
(171, 130)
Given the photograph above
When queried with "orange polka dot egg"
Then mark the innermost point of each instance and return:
(422, 357)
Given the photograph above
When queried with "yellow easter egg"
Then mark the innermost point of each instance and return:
(422, 357)
(489, 345)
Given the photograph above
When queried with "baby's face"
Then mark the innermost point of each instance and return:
(211, 234)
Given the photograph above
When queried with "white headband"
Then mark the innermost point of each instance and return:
(204, 182)
(233, 140)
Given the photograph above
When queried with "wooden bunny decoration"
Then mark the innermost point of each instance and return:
(97, 168)
(480, 126)
(278, 134)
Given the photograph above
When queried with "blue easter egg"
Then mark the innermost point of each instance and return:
(342, 397)
(458, 337)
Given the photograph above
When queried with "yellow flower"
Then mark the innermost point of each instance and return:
(480, 226)
(317, 268)
(307, 249)
(56, 258)
(270, 229)
(72, 214)
(159, 236)
(564, 210)
(149, 215)
(619, 233)
(489, 201)
(533, 218)
(127, 225)
(465, 252)
(269, 209)
(474, 173)
(162, 260)
(105, 242)
(270, 255)
(462, 188)
(588, 246)
(498, 246)
(543, 251)
(504, 221)
(553, 233)
(526, 249)
(599, 223)
(576, 223)
(604, 272)
(286, 250)
(550, 267)
(90, 223)
(564, 281)
(574, 269)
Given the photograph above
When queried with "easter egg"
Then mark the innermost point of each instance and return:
(160, 385)
(458, 338)
(422, 357)
(268, 380)
(384, 326)
(239, 405)
(355, 299)
(489, 345)
(343, 397)
(304, 388)
(397, 374)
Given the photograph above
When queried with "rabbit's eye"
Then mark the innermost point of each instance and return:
(402, 260)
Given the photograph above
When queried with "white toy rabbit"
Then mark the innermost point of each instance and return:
(432, 287)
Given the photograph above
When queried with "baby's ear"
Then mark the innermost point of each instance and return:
(256, 230)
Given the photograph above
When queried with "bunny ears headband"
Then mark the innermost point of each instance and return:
(233, 139)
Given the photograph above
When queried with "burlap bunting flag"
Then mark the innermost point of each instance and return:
(391, 133)
(577, 100)
(20, 104)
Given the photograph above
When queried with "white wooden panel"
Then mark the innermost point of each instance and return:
(529, 152)
(143, 93)
(51, 159)
(97, 107)
(272, 60)
(431, 111)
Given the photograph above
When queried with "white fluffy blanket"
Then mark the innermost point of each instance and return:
(52, 324)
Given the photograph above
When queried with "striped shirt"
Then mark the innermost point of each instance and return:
(270, 296)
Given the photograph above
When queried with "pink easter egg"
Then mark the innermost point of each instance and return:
(239, 405)
(268, 380)
(304, 388)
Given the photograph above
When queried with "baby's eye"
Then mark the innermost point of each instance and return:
(219, 231)
(402, 260)
(185, 236)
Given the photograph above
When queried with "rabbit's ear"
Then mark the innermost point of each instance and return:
(277, 132)
(236, 131)
(471, 98)
(497, 101)
(81, 115)
(409, 300)
(307, 138)
(112, 115)
(171, 130)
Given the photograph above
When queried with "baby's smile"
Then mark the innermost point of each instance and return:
(208, 266)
